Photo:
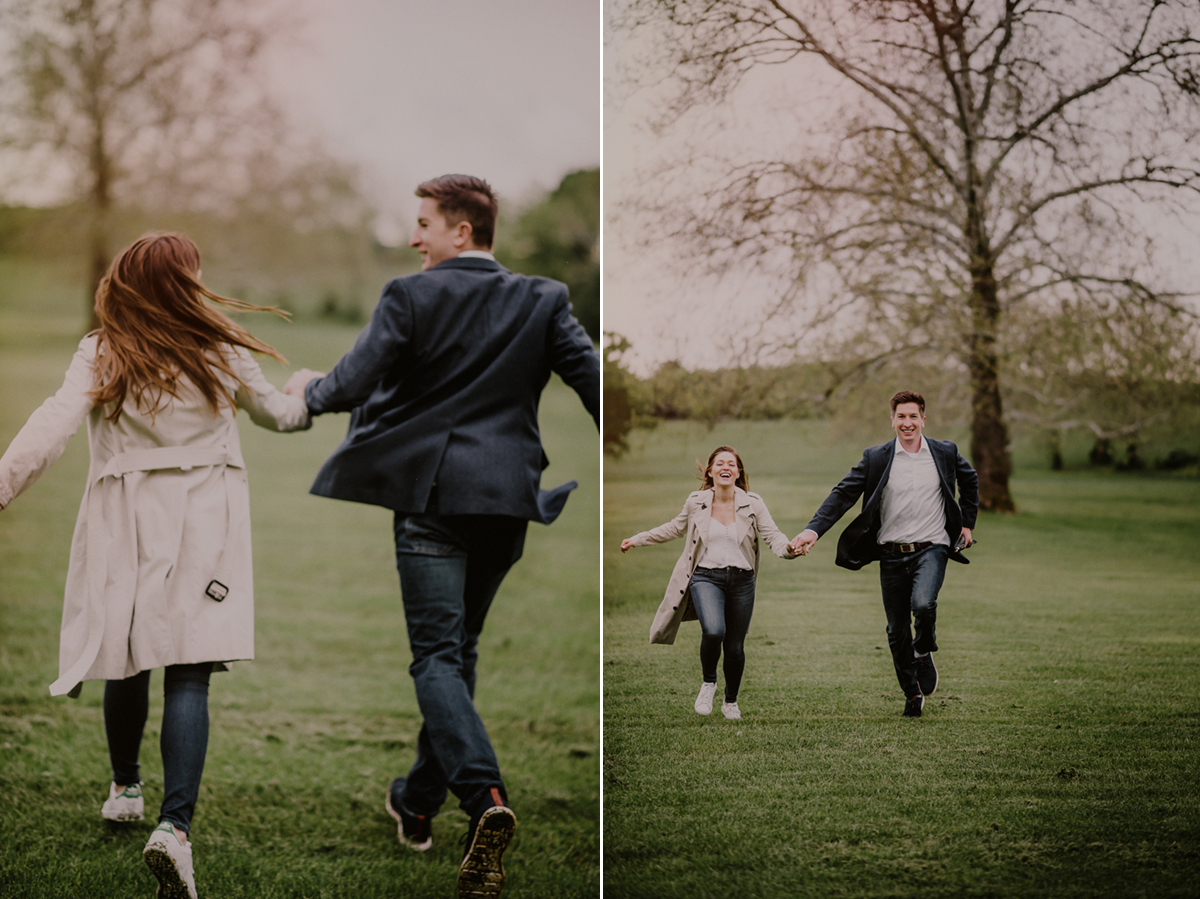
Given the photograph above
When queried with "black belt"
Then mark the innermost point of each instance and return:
(892, 548)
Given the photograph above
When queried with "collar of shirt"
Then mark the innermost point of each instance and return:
(476, 254)
(923, 449)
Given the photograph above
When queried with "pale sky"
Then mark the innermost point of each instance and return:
(411, 90)
(654, 294)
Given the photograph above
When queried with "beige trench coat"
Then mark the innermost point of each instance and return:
(160, 570)
(752, 520)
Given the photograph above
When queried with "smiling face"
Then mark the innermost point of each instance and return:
(908, 421)
(434, 238)
(724, 469)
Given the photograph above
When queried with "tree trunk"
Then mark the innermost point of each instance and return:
(989, 434)
(101, 202)
(97, 265)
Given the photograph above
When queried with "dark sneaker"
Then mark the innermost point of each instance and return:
(927, 678)
(481, 872)
(912, 708)
(414, 831)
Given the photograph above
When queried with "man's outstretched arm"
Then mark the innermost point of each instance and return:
(356, 375)
(840, 499)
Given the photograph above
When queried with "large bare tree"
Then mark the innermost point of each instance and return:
(987, 156)
(136, 100)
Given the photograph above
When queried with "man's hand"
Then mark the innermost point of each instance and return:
(966, 533)
(626, 543)
(803, 542)
(299, 380)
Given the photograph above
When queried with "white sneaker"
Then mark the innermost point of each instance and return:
(704, 699)
(171, 862)
(730, 710)
(124, 806)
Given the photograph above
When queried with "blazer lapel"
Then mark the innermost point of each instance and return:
(701, 521)
(940, 462)
(876, 497)
(741, 502)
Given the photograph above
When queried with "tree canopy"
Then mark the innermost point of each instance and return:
(982, 159)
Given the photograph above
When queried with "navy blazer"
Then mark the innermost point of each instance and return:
(858, 544)
(443, 387)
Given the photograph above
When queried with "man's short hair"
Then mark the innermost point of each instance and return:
(465, 198)
(907, 396)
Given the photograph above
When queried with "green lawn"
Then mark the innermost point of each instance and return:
(1060, 756)
(306, 738)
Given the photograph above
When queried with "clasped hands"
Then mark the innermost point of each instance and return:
(803, 542)
(299, 380)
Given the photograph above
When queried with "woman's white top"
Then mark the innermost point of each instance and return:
(721, 549)
(160, 570)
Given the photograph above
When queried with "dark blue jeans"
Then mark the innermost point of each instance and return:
(450, 569)
(184, 738)
(724, 601)
(910, 583)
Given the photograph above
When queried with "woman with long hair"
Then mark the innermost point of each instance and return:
(160, 569)
(715, 575)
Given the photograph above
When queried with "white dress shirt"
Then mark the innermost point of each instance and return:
(912, 510)
(721, 549)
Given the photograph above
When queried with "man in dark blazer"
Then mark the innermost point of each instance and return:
(443, 387)
(911, 523)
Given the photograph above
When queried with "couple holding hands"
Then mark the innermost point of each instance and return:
(911, 523)
(442, 386)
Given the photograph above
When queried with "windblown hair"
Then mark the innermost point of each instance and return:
(156, 329)
(465, 198)
(706, 471)
(907, 396)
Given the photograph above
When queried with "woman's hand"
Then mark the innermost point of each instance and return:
(626, 543)
(299, 380)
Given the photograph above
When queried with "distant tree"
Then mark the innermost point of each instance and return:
(1115, 372)
(985, 155)
(626, 400)
(139, 100)
(618, 404)
(560, 238)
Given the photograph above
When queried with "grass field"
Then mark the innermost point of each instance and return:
(305, 739)
(1059, 757)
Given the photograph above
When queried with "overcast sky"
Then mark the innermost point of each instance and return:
(655, 293)
(411, 90)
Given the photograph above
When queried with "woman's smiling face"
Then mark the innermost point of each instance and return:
(724, 470)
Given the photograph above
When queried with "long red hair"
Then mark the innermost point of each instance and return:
(155, 328)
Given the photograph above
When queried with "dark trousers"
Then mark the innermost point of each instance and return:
(450, 569)
(184, 738)
(724, 601)
(910, 583)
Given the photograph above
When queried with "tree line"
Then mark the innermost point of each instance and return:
(1128, 417)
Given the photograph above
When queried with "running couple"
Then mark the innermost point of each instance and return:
(911, 523)
(443, 387)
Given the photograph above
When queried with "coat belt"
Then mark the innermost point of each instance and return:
(184, 458)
